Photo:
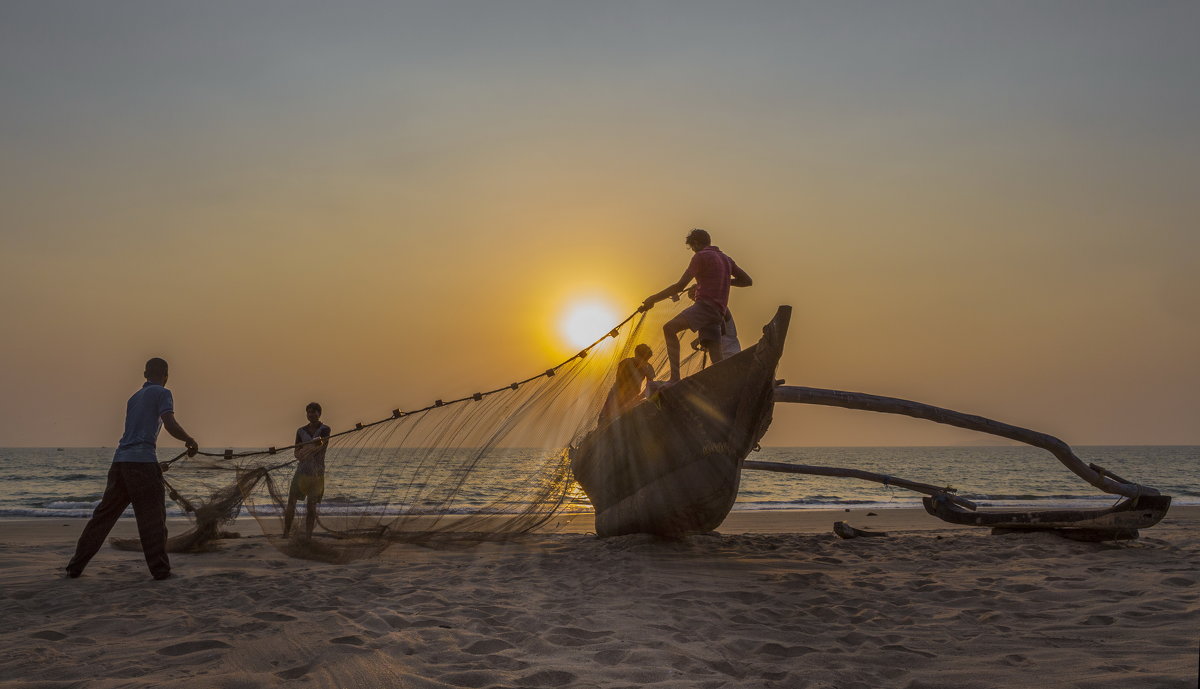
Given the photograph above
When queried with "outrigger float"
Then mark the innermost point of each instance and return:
(672, 465)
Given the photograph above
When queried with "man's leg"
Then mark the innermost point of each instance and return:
(671, 334)
(145, 485)
(712, 347)
(289, 512)
(114, 502)
(729, 341)
(710, 338)
(715, 351)
(310, 516)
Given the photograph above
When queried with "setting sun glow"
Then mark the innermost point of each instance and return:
(586, 322)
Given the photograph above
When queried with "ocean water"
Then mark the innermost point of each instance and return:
(49, 482)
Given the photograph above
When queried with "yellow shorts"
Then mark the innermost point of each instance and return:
(308, 486)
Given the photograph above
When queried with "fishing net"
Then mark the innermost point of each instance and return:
(488, 465)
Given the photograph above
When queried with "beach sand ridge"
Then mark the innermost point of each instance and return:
(926, 607)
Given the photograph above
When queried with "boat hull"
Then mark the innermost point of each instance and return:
(672, 464)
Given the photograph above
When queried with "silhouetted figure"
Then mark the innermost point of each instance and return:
(626, 391)
(730, 344)
(714, 273)
(309, 480)
(136, 477)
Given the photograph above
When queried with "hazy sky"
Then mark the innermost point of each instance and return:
(991, 206)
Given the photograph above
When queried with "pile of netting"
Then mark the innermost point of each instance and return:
(485, 466)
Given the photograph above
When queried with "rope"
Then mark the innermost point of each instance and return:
(397, 413)
(167, 464)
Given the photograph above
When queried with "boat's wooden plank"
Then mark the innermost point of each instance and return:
(1139, 513)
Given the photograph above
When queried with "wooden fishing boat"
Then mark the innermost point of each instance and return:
(672, 465)
(1123, 518)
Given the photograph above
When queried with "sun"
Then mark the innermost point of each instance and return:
(587, 321)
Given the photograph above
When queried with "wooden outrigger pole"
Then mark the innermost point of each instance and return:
(1143, 507)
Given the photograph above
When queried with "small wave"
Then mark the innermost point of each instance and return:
(84, 504)
(65, 513)
(342, 500)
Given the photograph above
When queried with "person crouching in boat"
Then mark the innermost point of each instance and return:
(626, 391)
(714, 273)
(309, 480)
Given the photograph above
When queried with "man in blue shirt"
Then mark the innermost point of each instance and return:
(135, 477)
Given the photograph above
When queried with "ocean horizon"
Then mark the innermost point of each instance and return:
(67, 482)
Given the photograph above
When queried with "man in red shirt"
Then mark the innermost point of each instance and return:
(714, 273)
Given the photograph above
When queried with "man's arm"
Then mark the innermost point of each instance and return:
(647, 371)
(304, 448)
(670, 291)
(740, 277)
(178, 433)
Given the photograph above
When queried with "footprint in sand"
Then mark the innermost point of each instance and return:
(746, 596)
(487, 647)
(348, 641)
(470, 678)
(854, 639)
(1022, 588)
(548, 678)
(1117, 668)
(904, 649)
(499, 662)
(48, 635)
(725, 667)
(295, 672)
(781, 651)
(191, 647)
(573, 636)
(610, 657)
(272, 617)
(1099, 620)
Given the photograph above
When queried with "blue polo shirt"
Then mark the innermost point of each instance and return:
(143, 419)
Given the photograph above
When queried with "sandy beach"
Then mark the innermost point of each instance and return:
(773, 600)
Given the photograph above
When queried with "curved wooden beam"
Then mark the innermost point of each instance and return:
(891, 405)
(885, 479)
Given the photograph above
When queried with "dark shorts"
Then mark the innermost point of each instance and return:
(707, 319)
(308, 486)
